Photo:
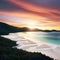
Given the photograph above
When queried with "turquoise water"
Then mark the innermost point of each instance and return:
(49, 37)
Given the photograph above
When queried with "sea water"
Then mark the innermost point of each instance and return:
(48, 37)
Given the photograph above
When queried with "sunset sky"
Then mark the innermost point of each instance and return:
(42, 14)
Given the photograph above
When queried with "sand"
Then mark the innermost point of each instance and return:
(31, 45)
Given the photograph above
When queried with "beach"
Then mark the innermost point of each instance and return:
(32, 45)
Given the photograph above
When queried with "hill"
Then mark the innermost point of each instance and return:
(6, 29)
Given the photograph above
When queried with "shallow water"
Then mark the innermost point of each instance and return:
(49, 37)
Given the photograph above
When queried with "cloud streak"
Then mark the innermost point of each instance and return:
(31, 8)
(54, 4)
(46, 12)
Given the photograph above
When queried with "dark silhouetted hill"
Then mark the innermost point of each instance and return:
(9, 53)
(6, 29)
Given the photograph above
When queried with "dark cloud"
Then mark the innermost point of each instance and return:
(57, 14)
(5, 5)
(55, 4)
(8, 6)
(15, 5)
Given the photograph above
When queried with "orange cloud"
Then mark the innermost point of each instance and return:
(41, 11)
(42, 22)
(47, 18)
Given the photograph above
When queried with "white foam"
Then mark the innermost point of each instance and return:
(32, 45)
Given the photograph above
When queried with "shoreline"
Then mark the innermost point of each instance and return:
(32, 45)
(35, 41)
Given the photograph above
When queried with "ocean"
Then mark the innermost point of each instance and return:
(48, 37)
(47, 43)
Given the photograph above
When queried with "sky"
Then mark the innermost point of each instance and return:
(42, 14)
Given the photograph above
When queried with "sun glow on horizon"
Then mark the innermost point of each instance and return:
(31, 24)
